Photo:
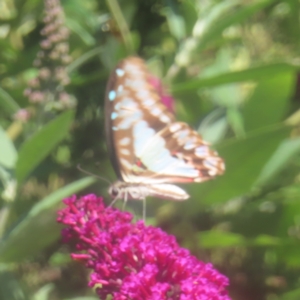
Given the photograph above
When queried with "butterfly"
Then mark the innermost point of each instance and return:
(148, 148)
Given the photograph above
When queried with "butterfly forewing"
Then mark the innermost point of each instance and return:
(147, 146)
(133, 113)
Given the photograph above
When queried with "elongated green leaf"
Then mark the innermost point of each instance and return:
(7, 103)
(34, 150)
(244, 159)
(285, 153)
(39, 228)
(83, 59)
(270, 101)
(8, 152)
(251, 74)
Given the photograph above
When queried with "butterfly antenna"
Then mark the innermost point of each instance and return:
(91, 174)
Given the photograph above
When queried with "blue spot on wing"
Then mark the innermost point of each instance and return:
(120, 72)
(112, 95)
(114, 115)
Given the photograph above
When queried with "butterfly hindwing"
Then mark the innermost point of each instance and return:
(178, 154)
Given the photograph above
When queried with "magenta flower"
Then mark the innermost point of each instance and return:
(166, 98)
(134, 261)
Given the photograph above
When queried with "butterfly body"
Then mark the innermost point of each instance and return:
(140, 191)
(148, 148)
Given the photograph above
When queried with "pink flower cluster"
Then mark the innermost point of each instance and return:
(47, 88)
(133, 261)
(22, 115)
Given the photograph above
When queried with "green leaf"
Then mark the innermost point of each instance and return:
(231, 15)
(44, 292)
(7, 103)
(8, 152)
(266, 240)
(10, 287)
(39, 227)
(244, 159)
(217, 239)
(34, 150)
(251, 74)
(190, 14)
(270, 101)
(214, 126)
(5, 175)
(279, 160)
(88, 55)
(228, 95)
(209, 15)
(236, 121)
(84, 34)
(175, 20)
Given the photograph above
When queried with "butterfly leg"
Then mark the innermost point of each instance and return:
(144, 209)
(113, 202)
(115, 199)
(125, 199)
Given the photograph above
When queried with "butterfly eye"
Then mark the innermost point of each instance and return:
(113, 191)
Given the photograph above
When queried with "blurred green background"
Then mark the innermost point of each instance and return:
(233, 68)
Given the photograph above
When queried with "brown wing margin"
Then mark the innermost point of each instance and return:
(186, 144)
(108, 123)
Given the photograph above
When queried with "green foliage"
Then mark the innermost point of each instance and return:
(8, 153)
(233, 67)
(7, 103)
(37, 147)
(240, 177)
(251, 74)
(38, 228)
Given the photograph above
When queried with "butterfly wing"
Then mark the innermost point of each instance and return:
(145, 142)
(130, 98)
(177, 154)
